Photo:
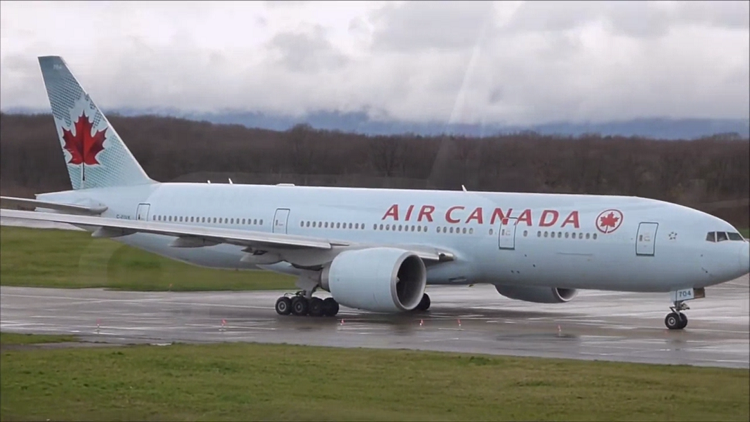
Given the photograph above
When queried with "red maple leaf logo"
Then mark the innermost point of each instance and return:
(608, 221)
(83, 146)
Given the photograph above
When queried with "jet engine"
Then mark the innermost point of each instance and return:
(537, 294)
(376, 279)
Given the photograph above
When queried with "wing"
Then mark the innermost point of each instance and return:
(69, 208)
(197, 236)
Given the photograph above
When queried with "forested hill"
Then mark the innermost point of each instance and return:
(710, 173)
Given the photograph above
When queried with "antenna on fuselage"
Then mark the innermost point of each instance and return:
(464, 188)
(209, 182)
(230, 180)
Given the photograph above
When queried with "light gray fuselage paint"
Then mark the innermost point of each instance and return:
(682, 257)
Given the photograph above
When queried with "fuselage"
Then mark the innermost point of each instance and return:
(553, 240)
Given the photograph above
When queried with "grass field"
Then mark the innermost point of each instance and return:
(21, 339)
(745, 233)
(251, 382)
(73, 259)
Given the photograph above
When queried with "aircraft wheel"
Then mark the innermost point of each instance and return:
(684, 321)
(675, 321)
(284, 306)
(424, 304)
(330, 307)
(316, 307)
(300, 306)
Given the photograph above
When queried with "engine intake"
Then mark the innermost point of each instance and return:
(537, 294)
(376, 279)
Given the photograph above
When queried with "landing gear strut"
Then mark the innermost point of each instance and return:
(299, 305)
(676, 320)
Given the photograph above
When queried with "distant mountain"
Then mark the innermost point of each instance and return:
(656, 128)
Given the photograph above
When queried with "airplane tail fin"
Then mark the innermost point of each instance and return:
(95, 155)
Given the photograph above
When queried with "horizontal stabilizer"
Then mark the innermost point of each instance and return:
(8, 202)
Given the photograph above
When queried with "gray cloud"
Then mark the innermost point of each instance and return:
(418, 26)
(534, 62)
(307, 50)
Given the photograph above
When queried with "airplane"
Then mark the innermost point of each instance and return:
(377, 249)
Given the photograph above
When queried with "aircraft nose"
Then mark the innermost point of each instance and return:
(745, 258)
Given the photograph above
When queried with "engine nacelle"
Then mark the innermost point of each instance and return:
(376, 279)
(537, 294)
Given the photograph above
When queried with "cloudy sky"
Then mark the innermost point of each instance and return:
(505, 62)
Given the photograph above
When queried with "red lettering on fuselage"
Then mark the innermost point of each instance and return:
(543, 220)
(453, 215)
(498, 214)
(392, 211)
(426, 212)
(448, 217)
(476, 215)
(408, 212)
(572, 218)
(525, 216)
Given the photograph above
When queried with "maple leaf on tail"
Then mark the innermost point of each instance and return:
(609, 220)
(83, 146)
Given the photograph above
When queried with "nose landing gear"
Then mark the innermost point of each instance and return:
(676, 320)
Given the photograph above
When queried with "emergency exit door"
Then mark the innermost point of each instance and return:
(507, 233)
(280, 220)
(645, 241)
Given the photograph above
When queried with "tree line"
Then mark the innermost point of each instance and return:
(712, 173)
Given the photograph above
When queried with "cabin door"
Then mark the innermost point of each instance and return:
(645, 241)
(507, 233)
(280, 220)
(142, 212)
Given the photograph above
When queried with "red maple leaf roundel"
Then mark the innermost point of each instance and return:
(608, 221)
(83, 146)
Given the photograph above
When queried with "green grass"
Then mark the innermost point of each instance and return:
(73, 259)
(251, 382)
(745, 233)
(21, 339)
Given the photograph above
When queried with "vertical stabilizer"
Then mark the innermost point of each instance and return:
(95, 155)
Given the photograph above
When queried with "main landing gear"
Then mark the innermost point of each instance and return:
(299, 305)
(424, 304)
(676, 320)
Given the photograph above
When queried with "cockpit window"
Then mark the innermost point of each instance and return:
(735, 236)
(722, 236)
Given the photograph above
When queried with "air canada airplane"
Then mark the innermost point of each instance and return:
(377, 249)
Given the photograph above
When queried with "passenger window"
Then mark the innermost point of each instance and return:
(594, 236)
(538, 234)
(735, 236)
(464, 230)
(525, 233)
(588, 236)
(546, 234)
(491, 231)
(580, 235)
(381, 227)
(567, 235)
(721, 236)
(261, 222)
(471, 230)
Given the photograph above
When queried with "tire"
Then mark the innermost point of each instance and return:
(674, 322)
(684, 322)
(330, 307)
(284, 306)
(316, 307)
(424, 304)
(300, 306)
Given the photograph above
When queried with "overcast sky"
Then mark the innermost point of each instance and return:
(507, 62)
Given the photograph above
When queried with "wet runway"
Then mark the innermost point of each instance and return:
(594, 326)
